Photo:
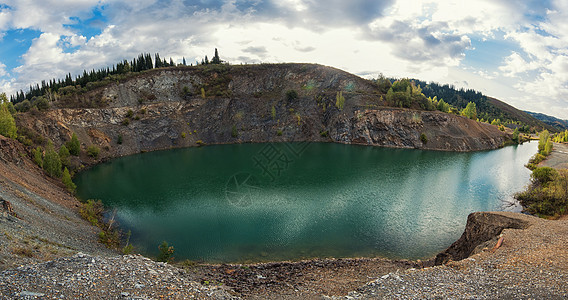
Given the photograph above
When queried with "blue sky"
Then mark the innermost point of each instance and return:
(514, 50)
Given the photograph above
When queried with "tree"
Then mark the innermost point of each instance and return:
(542, 140)
(470, 111)
(51, 161)
(66, 179)
(216, 59)
(515, 137)
(183, 62)
(64, 155)
(339, 100)
(166, 252)
(73, 145)
(7, 122)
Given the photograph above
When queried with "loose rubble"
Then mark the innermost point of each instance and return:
(88, 277)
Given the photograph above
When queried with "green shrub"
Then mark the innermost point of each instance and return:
(543, 175)
(129, 113)
(166, 252)
(339, 100)
(279, 132)
(38, 156)
(273, 112)
(234, 132)
(7, 122)
(93, 151)
(125, 122)
(324, 133)
(119, 139)
(52, 162)
(291, 95)
(547, 196)
(66, 179)
(73, 145)
(183, 135)
(423, 138)
(92, 211)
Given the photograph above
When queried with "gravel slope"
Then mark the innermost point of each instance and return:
(530, 264)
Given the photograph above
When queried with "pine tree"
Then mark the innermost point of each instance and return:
(184, 62)
(51, 162)
(66, 178)
(216, 59)
(73, 145)
(158, 60)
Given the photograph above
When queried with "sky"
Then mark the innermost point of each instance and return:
(513, 50)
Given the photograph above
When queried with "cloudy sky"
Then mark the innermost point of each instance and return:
(515, 50)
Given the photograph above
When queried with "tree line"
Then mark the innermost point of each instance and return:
(141, 63)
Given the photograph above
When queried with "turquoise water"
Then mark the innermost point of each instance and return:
(288, 201)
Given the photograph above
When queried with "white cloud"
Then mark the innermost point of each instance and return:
(404, 38)
(3, 70)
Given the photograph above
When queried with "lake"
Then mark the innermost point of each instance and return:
(290, 201)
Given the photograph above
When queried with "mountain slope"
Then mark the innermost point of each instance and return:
(190, 106)
(560, 124)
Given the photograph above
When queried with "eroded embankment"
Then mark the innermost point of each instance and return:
(39, 220)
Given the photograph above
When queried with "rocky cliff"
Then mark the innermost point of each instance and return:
(189, 106)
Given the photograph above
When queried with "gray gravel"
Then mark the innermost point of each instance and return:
(88, 277)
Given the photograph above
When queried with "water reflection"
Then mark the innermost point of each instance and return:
(332, 200)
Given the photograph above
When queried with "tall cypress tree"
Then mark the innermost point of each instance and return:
(216, 59)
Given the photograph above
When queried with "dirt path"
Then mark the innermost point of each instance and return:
(558, 158)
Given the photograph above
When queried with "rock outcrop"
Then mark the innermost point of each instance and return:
(481, 227)
(184, 107)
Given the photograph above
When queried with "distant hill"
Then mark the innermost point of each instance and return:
(487, 108)
(560, 124)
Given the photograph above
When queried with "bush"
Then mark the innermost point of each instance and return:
(548, 194)
(279, 132)
(92, 211)
(119, 139)
(7, 123)
(166, 252)
(543, 175)
(291, 95)
(73, 145)
(423, 138)
(324, 133)
(93, 151)
(38, 156)
(339, 100)
(66, 179)
(129, 113)
(234, 132)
